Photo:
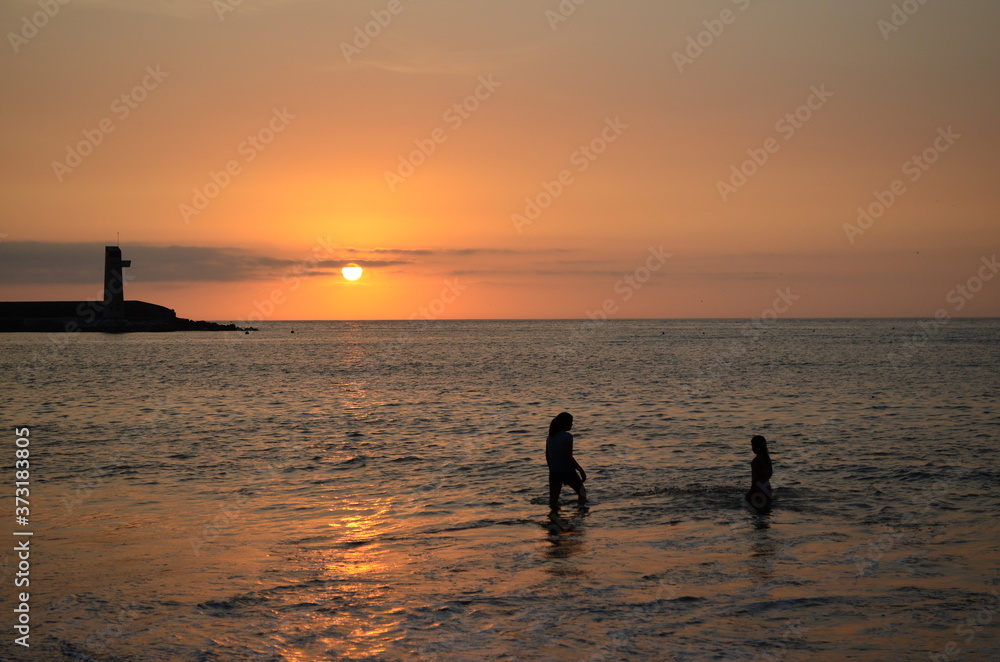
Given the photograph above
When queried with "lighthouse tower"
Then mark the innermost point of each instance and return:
(114, 284)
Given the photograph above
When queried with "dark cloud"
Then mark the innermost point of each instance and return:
(30, 262)
(459, 251)
(37, 262)
(42, 263)
(533, 271)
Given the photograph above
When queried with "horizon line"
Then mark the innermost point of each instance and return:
(609, 319)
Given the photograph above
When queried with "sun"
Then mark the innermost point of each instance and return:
(352, 271)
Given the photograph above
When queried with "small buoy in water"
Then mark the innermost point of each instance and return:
(293, 330)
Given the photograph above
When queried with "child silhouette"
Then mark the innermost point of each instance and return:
(759, 494)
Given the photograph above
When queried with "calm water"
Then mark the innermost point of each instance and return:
(377, 491)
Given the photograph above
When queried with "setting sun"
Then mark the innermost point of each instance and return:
(352, 271)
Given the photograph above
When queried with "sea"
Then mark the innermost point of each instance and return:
(378, 491)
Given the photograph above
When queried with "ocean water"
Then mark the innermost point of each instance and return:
(377, 491)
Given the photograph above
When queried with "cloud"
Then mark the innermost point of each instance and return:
(722, 267)
(457, 57)
(459, 251)
(182, 9)
(37, 262)
(45, 263)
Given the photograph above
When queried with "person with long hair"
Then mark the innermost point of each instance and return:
(759, 494)
(563, 467)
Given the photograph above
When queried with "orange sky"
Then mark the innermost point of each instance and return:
(415, 153)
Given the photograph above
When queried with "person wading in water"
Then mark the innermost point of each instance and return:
(562, 465)
(759, 494)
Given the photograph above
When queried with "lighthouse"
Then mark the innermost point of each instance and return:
(114, 283)
(113, 315)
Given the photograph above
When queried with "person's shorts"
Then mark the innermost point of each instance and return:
(561, 478)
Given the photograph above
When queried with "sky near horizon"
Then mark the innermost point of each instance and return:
(517, 159)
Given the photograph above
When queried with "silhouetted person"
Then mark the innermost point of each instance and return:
(562, 465)
(759, 494)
